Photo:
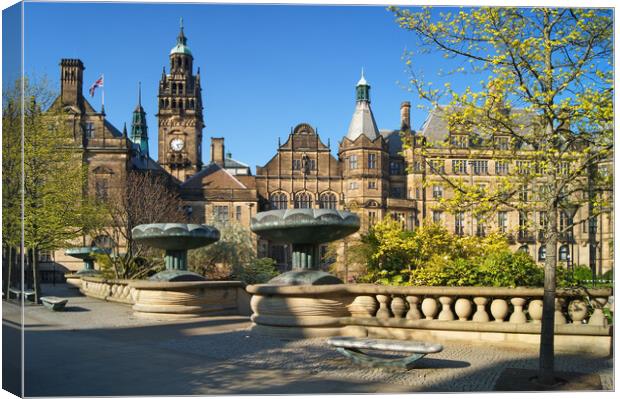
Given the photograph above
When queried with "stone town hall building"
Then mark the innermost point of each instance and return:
(369, 174)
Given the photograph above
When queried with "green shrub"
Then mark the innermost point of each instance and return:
(258, 271)
(582, 273)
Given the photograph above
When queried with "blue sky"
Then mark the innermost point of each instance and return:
(264, 68)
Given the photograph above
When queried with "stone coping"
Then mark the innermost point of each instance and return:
(163, 285)
(175, 285)
(373, 289)
(455, 325)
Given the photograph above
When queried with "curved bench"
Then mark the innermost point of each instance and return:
(351, 347)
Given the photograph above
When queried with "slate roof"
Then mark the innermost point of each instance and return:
(362, 122)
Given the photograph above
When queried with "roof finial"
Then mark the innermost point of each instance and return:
(362, 80)
(181, 23)
(139, 93)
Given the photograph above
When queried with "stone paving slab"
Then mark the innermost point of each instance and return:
(104, 350)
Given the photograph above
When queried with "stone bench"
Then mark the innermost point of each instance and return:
(54, 303)
(352, 347)
(26, 294)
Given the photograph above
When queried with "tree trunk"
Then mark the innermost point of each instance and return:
(546, 365)
(9, 273)
(36, 282)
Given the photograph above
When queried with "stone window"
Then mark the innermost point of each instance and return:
(372, 218)
(372, 161)
(437, 217)
(480, 167)
(328, 201)
(542, 253)
(502, 167)
(296, 164)
(372, 185)
(220, 213)
(480, 227)
(459, 223)
(502, 143)
(238, 212)
(396, 192)
(459, 167)
(303, 200)
(353, 185)
(396, 168)
(279, 201)
(353, 162)
(89, 130)
(437, 192)
(459, 141)
(523, 193)
(438, 166)
(502, 221)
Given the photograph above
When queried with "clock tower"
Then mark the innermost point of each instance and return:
(179, 114)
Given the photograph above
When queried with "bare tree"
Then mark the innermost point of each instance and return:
(145, 197)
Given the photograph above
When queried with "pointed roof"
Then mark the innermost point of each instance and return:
(181, 47)
(363, 121)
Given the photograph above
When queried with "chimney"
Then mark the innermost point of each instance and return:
(217, 150)
(405, 116)
(71, 78)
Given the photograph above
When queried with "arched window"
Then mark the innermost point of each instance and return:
(563, 253)
(524, 248)
(180, 88)
(279, 201)
(174, 103)
(542, 253)
(328, 201)
(174, 88)
(303, 200)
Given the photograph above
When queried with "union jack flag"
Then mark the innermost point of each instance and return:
(98, 83)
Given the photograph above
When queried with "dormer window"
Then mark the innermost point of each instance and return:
(459, 141)
(89, 130)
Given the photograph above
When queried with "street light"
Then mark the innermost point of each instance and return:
(571, 210)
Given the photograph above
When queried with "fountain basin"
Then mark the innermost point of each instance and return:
(87, 254)
(305, 229)
(175, 239)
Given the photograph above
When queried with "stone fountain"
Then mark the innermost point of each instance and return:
(306, 230)
(176, 239)
(88, 256)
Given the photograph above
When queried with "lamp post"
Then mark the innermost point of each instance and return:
(571, 210)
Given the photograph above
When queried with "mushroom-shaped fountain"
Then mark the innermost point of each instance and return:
(305, 229)
(176, 239)
(87, 254)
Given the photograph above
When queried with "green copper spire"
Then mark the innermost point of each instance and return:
(362, 90)
(181, 47)
(139, 133)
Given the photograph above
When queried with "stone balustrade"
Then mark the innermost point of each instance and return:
(481, 314)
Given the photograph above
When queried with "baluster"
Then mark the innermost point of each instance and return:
(398, 307)
(518, 316)
(446, 312)
(463, 308)
(598, 317)
(429, 308)
(384, 310)
(413, 313)
(559, 317)
(481, 314)
(577, 310)
(535, 310)
(499, 309)
(363, 306)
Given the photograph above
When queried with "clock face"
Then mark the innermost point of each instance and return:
(177, 144)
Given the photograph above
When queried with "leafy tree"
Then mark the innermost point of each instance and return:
(550, 90)
(233, 256)
(55, 210)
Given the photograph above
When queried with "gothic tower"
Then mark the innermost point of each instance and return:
(365, 158)
(180, 114)
(139, 133)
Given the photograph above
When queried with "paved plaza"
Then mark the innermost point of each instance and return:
(100, 348)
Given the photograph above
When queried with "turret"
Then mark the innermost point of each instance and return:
(139, 134)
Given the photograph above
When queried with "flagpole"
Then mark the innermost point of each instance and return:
(102, 93)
